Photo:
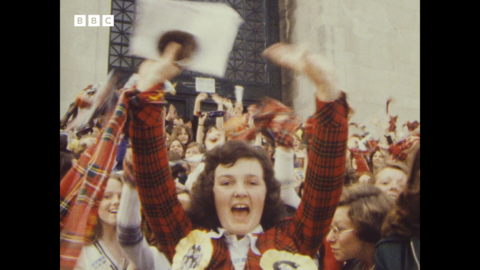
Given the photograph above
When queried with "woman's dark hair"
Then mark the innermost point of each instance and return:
(370, 159)
(368, 207)
(202, 210)
(404, 219)
(187, 41)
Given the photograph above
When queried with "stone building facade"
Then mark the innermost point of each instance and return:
(374, 45)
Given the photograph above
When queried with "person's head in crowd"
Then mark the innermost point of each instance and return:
(238, 180)
(213, 137)
(66, 163)
(108, 207)
(404, 219)
(183, 133)
(350, 173)
(193, 148)
(176, 145)
(377, 160)
(366, 178)
(391, 179)
(357, 222)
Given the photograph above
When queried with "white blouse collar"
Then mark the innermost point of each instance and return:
(231, 239)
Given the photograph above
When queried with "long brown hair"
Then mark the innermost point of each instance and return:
(98, 231)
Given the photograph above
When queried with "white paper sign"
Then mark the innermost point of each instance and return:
(206, 85)
(214, 27)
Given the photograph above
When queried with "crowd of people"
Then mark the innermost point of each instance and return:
(238, 188)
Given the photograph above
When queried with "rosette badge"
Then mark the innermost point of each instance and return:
(282, 260)
(193, 252)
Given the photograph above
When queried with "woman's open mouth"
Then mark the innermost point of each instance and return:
(240, 211)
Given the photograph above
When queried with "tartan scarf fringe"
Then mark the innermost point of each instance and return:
(83, 187)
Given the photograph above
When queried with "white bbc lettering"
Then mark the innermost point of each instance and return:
(93, 20)
(79, 20)
(107, 20)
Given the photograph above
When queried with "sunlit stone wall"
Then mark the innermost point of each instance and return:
(83, 50)
(375, 46)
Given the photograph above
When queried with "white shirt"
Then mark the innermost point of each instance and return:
(239, 248)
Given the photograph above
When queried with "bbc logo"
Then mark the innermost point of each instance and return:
(93, 20)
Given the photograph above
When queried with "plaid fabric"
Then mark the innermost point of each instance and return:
(70, 184)
(155, 185)
(400, 150)
(303, 233)
(272, 116)
(269, 111)
(82, 188)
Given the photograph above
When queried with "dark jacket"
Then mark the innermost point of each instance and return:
(397, 253)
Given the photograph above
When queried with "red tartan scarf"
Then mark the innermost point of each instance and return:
(83, 186)
(400, 150)
(272, 116)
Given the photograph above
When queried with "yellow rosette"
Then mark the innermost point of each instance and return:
(193, 252)
(281, 260)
